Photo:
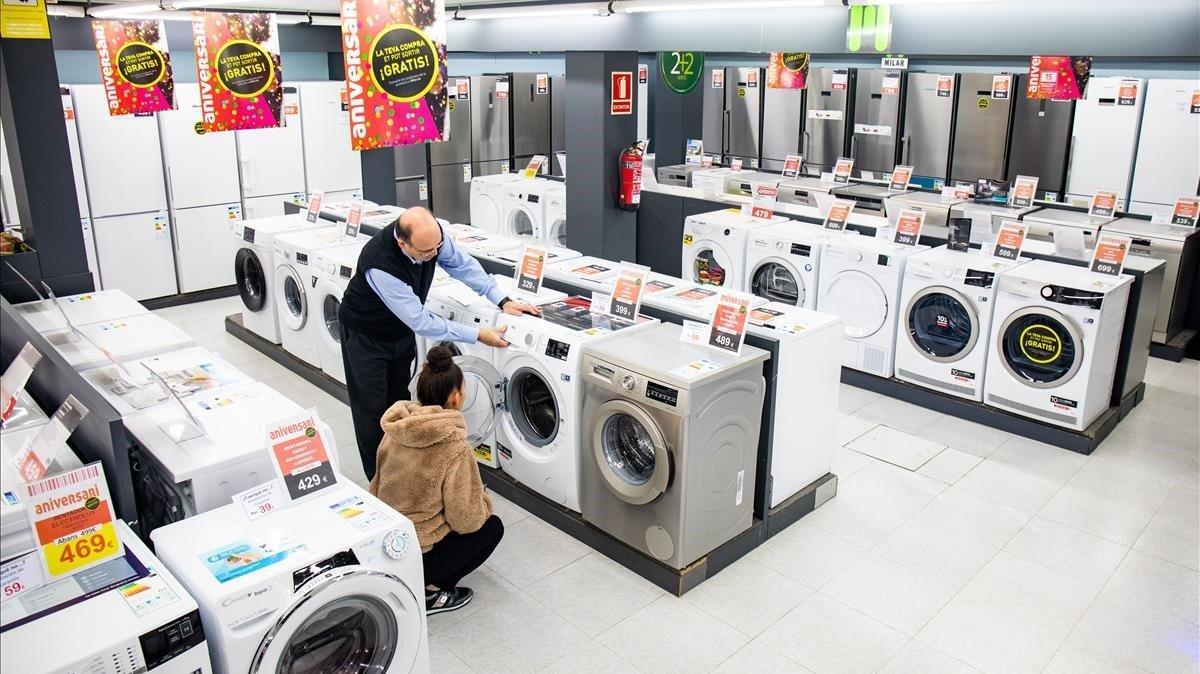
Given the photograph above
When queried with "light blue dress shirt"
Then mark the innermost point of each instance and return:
(400, 298)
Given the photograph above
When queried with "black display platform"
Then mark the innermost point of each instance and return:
(1176, 349)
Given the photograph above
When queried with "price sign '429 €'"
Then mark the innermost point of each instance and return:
(300, 455)
(72, 519)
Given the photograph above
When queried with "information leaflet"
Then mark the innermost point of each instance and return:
(71, 515)
(299, 455)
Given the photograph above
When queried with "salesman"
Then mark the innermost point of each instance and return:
(384, 306)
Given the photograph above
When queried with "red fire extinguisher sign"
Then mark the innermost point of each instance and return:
(622, 94)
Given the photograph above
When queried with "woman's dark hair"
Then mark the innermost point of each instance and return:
(440, 377)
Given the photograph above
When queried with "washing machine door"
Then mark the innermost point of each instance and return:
(484, 393)
(521, 222)
(711, 264)
(778, 280)
(485, 212)
(329, 301)
(251, 279)
(859, 300)
(350, 619)
(558, 232)
(1040, 347)
(943, 324)
(293, 300)
(532, 403)
(631, 452)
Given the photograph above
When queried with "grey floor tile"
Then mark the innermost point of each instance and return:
(950, 465)
(940, 553)
(898, 414)
(904, 491)
(1155, 586)
(594, 593)
(532, 550)
(846, 462)
(592, 658)
(1075, 553)
(807, 554)
(856, 517)
(824, 635)
(896, 447)
(1174, 532)
(852, 399)
(519, 635)
(917, 658)
(966, 436)
(1153, 641)
(754, 657)
(671, 635)
(975, 515)
(748, 596)
(889, 592)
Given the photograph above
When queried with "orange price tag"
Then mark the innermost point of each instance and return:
(901, 175)
(300, 456)
(1187, 211)
(727, 327)
(531, 268)
(71, 516)
(626, 299)
(1127, 92)
(1023, 190)
(838, 214)
(843, 169)
(1009, 241)
(791, 165)
(1109, 256)
(314, 206)
(1000, 86)
(945, 86)
(908, 227)
(1103, 204)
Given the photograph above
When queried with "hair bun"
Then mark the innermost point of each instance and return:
(439, 359)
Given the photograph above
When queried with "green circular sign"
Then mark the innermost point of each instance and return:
(681, 70)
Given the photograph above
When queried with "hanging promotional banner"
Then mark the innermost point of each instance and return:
(239, 71)
(681, 70)
(1058, 78)
(787, 70)
(530, 269)
(395, 55)
(626, 299)
(1103, 204)
(869, 29)
(135, 67)
(1109, 256)
(24, 20)
(1009, 241)
(71, 515)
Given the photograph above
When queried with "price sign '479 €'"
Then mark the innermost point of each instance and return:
(300, 455)
(72, 519)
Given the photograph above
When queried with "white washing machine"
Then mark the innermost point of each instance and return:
(330, 584)
(669, 454)
(1056, 331)
(946, 319)
(860, 283)
(586, 271)
(101, 305)
(293, 282)
(486, 244)
(16, 536)
(129, 614)
(254, 268)
(555, 231)
(783, 263)
(187, 372)
(524, 210)
(91, 345)
(332, 268)
(487, 199)
(554, 254)
(714, 246)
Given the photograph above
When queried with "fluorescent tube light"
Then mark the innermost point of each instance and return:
(66, 10)
(528, 13)
(701, 5)
(110, 11)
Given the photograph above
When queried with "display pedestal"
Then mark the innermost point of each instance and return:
(1176, 349)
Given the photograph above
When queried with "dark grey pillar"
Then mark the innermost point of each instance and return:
(379, 175)
(676, 118)
(595, 226)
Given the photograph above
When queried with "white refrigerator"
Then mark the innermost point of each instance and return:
(1165, 168)
(272, 163)
(122, 164)
(330, 166)
(1104, 139)
(85, 214)
(204, 193)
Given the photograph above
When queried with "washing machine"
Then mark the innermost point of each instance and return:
(332, 268)
(803, 191)
(692, 300)
(714, 246)
(16, 536)
(1056, 330)
(554, 254)
(783, 262)
(129, 614)
(138, 385)
(95, 344)
(668, 460)
(293, 282)
(102, 305)
(486, 244)
(946, 319)
(555, 231)
(586, 271)
(1043, 222)
(936, 208)
(860, 283)
(524, 209)
(487, 199)
(254, 268)
(333, 583)
(746, 183)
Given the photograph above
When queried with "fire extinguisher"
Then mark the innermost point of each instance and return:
(629, 178)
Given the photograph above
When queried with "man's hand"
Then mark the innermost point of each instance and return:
(493, 336)
(513, 308)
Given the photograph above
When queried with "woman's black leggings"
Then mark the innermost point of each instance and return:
(457, 555)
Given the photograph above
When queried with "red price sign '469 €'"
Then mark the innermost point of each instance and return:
(300, 456)
(72, 519)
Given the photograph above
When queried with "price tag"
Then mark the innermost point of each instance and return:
(693, 332)
(71, 516)
(542, 83)
(15, 378)
(765, 198)
(462, 89)
(735, 164)
(599, 303)
(354, 220)
(1001, 85)
(843, 169)
(39, 452)
(908, 227)
(422, 189)
(901, 175)
(891, 85)
(20, 575)
(626, 298)
(1195, 104)
(841, 79)
(1103, 203)
(791, 165)
(1109, 256)
(693, 152)
(1023, 190)
(314, 206)
(706, 161)
(643, 73)
(264, 499)
(1127, 92)
(1009, 241)
(727, 327)
(531, 268)
(299, 455)
(838, 215)
(718, 78)
(502, 89)
(534, 167)
(1187, 211)
(945, 86)
(466, 173)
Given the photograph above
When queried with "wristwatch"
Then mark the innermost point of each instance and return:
(504, 301)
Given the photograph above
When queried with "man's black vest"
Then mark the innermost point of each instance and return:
(362, 310)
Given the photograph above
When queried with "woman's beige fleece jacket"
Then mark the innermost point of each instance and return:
(426, 470)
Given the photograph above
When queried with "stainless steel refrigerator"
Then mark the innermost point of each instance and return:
(490, 120)
(412, 178)
(928, 122)
(1041, 141)
(558, 120)
(828, 110)
(743, 115)
(450, 168)
(981, 128)
(877, 120)
(713, 119)
(530, 118)
(783, 112)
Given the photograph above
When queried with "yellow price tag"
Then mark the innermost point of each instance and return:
(66, 555)
(71, 515)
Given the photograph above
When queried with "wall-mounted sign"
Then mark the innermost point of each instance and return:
(239, 71)
(869, 29)
(894, 62)
(787, 70)
(135, 67)
(24, 20)
(1059, 78)
(643, 73)
(681, 70)
(621, 94)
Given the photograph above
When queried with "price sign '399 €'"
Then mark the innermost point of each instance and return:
(300, 456)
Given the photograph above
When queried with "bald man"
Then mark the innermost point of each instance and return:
(384, 308)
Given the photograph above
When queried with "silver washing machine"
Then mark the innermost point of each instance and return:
(668, 464)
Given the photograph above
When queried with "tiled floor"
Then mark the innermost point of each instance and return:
(994, 554)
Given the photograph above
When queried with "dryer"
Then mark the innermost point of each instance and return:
(101, 305)
(860, 283)
(946, 320)
(487, 199)
(668, 461)
(333, 583)
(524, 210)
(1055, 336)
(714, 246)
(95, 344)
(783, 263)
(332, 270)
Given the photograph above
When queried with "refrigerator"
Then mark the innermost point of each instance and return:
(330, 166)
(530, 118)
(981, 128)
(783, 114)
(878, 120)
(85, 215)
(490, 122)
(1104, 139)
(928, 122)
(450, 168)
(743, 115)
(412, 179)
(1041, 138)
(1162, 172)
(828, 109)
(271, 162)
(204, 194)
(558, 121)
(122, 165)
(713, 116)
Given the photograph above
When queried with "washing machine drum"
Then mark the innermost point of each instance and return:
(631, 452)
(942, 324)
(558, 233)
(711, 267)
(1040, 347)
(533, 406)
(329, 317)
(774, 281)
(251, 279)
(520, 224)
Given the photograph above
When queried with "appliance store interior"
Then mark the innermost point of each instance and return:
(877, 355)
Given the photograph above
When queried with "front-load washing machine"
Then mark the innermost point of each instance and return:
(555, 230)
(860, 283)
(714, 246)
(783, 262)
(669, 454)
(138, 385)
(946, 319)
(129, 614)
(293, 283)
(487, 199)
(1056, 330)
(254, 268)
(94, 344)
(16, 536)
(332, 268)
(525, 210)
(94, 307)
(333, 583)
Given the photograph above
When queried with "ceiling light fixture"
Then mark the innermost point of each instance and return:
(66, 10)
(518, 13)
(128, 11)
(701, 5)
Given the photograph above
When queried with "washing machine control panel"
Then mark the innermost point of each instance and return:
(397, 544)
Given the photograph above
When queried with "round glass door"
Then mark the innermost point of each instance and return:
(290, 290)
(520, 223)
(329, 316)
(711, 266)
(558, 232)
(777, 282)
(942, 324)
(631, 452)
(1040, 347)
(481, 399)
(251, 280)
(533, 406)
(859, 300)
